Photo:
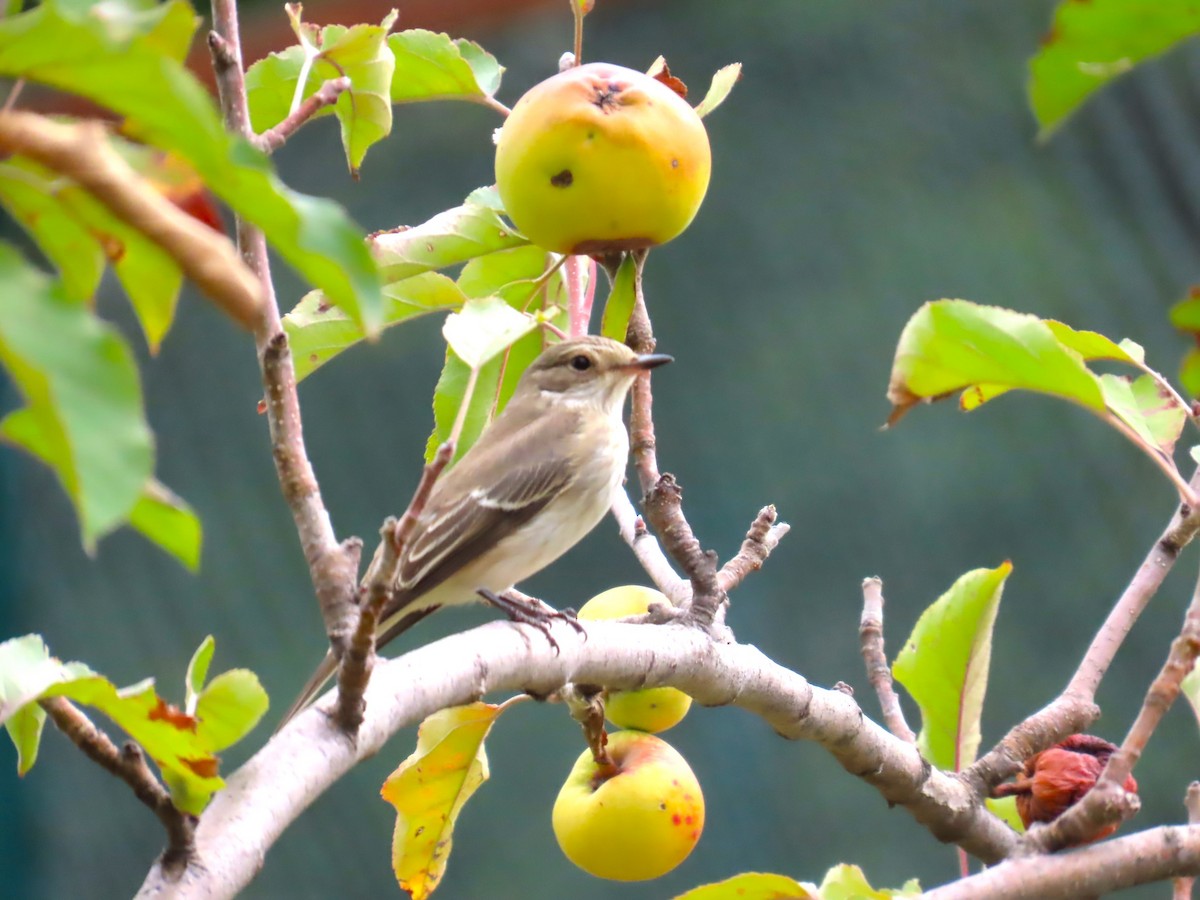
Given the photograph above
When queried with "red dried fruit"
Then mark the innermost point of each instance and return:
(1056, 779)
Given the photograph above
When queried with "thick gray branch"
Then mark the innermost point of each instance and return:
(307, 757)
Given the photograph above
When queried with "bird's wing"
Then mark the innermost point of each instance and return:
(470, 511)
(458, 532)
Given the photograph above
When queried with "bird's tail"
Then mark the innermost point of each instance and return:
(329, 664)
(312, 688)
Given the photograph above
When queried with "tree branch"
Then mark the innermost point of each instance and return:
(354, 670)
(1108, 802)
(1153, 855)
(310, 754)
(879, 673)
(129, 765)
(647, 550)
(333, 566)
(326, 95)
(764, 536)
(82, 153)
(1074, 710)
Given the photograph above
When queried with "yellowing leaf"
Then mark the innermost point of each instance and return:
(430, 788)
(944, 665)
(722, 83)
(846, 882)
(754, 886)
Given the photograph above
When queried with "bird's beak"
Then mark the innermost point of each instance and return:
(648, 361)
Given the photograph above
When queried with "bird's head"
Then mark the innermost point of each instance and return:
(589, 370)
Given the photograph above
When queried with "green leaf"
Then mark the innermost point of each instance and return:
(1006, 809)
(448, 398)
(944, 666)
(197, 673)
(129, 59)
(952, 345)
(166, 520)
(1185, 315)
(183, 746)
(514, 275)
(432, 66)
(1091, 345)
(430, 788)
(451, 237)
(359, 53)
(1190, 686)
(619, 305)
(66, 242)
(319, 331)
(485, 328)
(1091, 43)
(230, 706)
(1148, 408)
(77, 232)
(84, 414)
(723, 81)
(1189, 372)
(754, 886)
(26, 670)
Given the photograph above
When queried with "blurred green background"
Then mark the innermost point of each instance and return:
(873, 157)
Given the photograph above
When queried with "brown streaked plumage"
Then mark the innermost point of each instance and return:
(539, 478)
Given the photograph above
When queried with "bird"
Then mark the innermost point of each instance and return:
(537, 480)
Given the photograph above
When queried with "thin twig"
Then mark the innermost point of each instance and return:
(1108, 802)
(129, 765)
(357, 662)
(1074, 710)
(82, 152)
(662, 496)
(646, 549)
(326, 95)
(1141, 858)
(333, 566)
(764, 535)
(879, 673)
(10, 102)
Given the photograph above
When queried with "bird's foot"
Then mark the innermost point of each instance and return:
(529, 611)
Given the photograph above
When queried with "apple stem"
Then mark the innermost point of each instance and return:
(579, 14)
(581, 293)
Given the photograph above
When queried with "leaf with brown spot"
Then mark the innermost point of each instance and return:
(168, 712)
(429, 789)
(204, 767)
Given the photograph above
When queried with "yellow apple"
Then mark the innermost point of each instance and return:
(648, 709)
(602, 158)
(633, 823)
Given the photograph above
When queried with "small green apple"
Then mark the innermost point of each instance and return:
(636, 821)
(602, 158)
(648, 709)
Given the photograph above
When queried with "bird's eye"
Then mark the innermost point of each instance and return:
(581, 363)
